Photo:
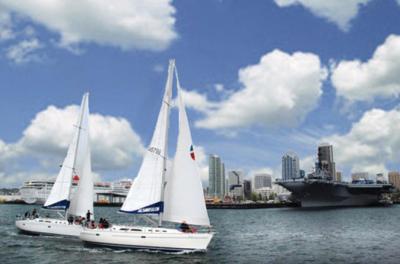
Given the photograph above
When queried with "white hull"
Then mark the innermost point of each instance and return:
(164, 239)
(48, 226)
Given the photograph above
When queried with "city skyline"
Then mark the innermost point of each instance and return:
(260, 79)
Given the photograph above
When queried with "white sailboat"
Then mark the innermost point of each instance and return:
(77, 166)
(175, 194)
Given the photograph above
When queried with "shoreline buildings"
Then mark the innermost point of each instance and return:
(235, 187)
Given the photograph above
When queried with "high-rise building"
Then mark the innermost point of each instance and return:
(302, 173)
(235, 183)
(235, 177)
(325, 161)
(394, 178)
(262, 180)
(216, 177)
(290, 166)
(226, 187)
(223, 180)
(247, 189)
(338, 176)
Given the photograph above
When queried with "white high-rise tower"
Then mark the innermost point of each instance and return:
(290, 166)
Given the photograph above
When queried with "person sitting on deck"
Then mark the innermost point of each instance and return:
(92, 224)
(185, 228)
(106, 224)
(34, 213)
(70, 220)
(103, 223)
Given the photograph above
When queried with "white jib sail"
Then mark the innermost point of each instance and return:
(82, 200)
(184, 198)
(59, 197)
(145, 194)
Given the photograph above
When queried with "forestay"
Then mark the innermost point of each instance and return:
(145, 194)
(184, 198)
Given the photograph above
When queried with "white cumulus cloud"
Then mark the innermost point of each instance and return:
(197, 101)
(278, 91)
(114, 144)
(337, 11)
(127, 24)
(371, 143)
(378, 77)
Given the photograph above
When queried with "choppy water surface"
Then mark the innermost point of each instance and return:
(282, 235)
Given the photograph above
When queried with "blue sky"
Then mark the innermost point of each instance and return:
(323, 53)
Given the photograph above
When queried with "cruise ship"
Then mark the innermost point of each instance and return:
(37, 191)
(323, 189)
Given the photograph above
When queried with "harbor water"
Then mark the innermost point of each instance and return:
(278, 235)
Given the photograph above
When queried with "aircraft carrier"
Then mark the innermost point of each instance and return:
(322, 188)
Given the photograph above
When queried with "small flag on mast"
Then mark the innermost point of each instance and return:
(192, 153)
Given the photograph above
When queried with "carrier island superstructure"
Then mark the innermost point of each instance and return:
(321, 188)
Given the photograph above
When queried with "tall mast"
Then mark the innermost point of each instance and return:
(168, 92)
(79, 127)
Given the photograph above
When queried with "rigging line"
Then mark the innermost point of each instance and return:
(79, 127)
(169, 104)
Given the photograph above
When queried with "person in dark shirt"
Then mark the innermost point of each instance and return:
(88, 216)
(27, 214)
(34, 213)
(185, 228)
(106, 224)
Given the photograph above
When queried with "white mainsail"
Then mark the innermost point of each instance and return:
(184, 198)
(145, 194)
(82, 200)
(59, 197)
